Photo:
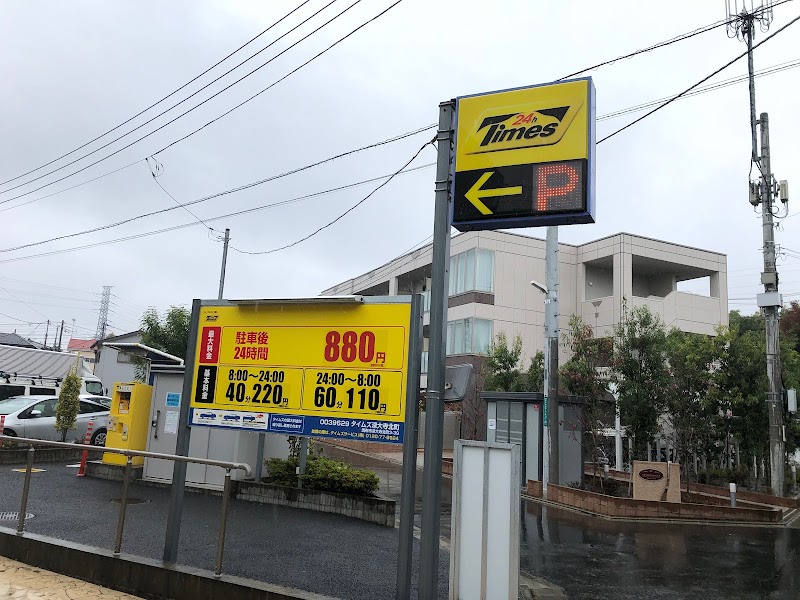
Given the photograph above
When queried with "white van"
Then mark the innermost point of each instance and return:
(24, 386)
(31, 372)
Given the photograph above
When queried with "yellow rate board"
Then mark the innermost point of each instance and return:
(323, 370)
(525, 157)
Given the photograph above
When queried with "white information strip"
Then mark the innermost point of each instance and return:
(484, 557)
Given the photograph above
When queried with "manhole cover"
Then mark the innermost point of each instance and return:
(13, 516)
(130, 501)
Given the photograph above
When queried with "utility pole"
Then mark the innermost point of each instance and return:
(771, 303)
(60, 336)
(742, 24)
(434, 412)
(550, 411)
(224, 262)
(46, 331)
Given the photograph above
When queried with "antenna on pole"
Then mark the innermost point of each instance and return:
(741, 17)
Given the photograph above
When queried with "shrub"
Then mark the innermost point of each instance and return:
(282, 472)
(68, 404)
(323, 474)
(722, 477)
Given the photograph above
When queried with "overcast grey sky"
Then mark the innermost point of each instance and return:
(73, 70)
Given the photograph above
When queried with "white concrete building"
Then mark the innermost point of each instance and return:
(490, 291)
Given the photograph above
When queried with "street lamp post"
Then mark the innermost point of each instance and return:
(550, 463)
(545, 424)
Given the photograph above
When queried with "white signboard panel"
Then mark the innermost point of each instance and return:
(484, 557)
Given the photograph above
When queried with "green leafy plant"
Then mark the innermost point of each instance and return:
(295, 442)
(323, 474)
(169, 332)
(68, 404)
(580, 376)
(641, 373)
(502, 369)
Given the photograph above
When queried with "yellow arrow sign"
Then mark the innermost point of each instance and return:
(476, 194)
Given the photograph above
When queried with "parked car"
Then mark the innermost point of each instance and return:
(35, 417)
(104, 400)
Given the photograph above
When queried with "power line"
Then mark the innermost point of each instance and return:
(766, 71)
(140, 113)
(202, 103)
(193, 223)
(705, 89)
(600, 141)
(725, 83)
(223, 193)
(77, 185)
(292, 72)
(23, 302)
(679, 38)
(41, 295)
(22, 320)
(687, 90)
(106, 145)
(662, 105)
(57, 287)
(156, 172)
(599, 65)
(345, 213)
(341, 216)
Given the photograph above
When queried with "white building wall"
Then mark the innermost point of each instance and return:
(518, 307)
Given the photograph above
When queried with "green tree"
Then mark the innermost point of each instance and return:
(742, 382)
(169, 333)
(68, 403)
(580, 376)
(790, 324)
(744, 323)
(502, 365)
(502, 369)
(692, 408)
(640, 372)
(535, 374)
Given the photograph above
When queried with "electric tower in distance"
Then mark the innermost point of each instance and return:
(102, 320)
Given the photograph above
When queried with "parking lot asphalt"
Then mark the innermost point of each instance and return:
(323, 553)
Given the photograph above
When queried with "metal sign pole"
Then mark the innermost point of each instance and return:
(408, 495)
(182, 444)
(551, 368)
(434, 414)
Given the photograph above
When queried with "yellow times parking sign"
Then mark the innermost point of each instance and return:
(525, 157)
(323, 370)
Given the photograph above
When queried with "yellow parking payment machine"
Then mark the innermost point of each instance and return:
(129, 421)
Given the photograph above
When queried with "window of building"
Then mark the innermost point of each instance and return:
(472, 271)
(469, 336)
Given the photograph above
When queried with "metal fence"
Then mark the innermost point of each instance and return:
(129, 454)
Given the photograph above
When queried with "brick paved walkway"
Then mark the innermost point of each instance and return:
(18, 580)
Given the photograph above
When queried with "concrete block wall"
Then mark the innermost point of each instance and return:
(614, 507)
(372, 509)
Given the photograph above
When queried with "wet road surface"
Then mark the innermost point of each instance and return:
(593, 558)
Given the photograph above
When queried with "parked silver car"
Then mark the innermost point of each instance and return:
(35, 417)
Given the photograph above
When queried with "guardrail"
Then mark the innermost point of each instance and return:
(228, 466)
